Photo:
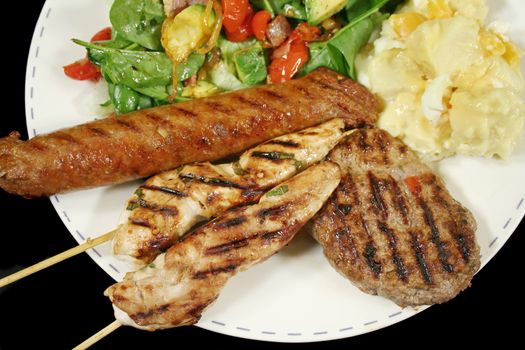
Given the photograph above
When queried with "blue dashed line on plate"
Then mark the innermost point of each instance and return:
(507, 223)
(32, 113)
(48, 13)
(320, 333)
(37, 51)
(219, 323)
(394, 315)
(369, 323)
(96, 252)
(42, 31)
(31, 92)
(267, 332)
(243, 329)
(520, 203)
(56, 198)
(67, 217)
(80, 235)
(114, 268)
(33, 72)
(295, 334)
(492, 243)
(346, 329)
(34, 132)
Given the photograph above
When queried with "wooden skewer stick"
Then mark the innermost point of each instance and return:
(99, 335)
(90, 243)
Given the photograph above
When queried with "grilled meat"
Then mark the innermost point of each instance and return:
(180, 284)
(167, 205)
(143, 143)
(392, 227)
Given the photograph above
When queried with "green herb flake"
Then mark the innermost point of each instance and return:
(237, 169)
(132, 206)
(152, 266)
(279, 191)
(139, 193)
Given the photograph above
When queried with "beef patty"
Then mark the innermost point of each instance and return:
(392, 228)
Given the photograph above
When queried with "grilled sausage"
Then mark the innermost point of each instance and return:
(115, 150)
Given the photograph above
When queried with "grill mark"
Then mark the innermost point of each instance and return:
(377, 199)
(420, 258)
(128, 125)
(211, 181)
(325, 86)
(345, 231)
(435, 236)
(361, 142)
(271, 235)
(216, 271)
(155, 118)
(401, 269)
(369, 253)
(258, 105)
(305, 92)
(98, 132)
(226, 247)
(59, 135)
(141, 222)
(166, 211)
(399, 201)
(381, 141)
(263, 214)
(458, 235)
(184, 112)
(166, 190)
(284, 143)
(220, 107)
(344, 209)
(231, 223)
(272, 94)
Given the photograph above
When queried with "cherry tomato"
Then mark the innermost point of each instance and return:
(102, 35)
(244, 31)
(305, 32)
(284, 68)
(83, 69)
(260, 23)
(235, 13)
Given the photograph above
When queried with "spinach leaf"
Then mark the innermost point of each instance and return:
(123, 98)
(138, 21)
(350, 40)
(136, 69)
(340, 51)
(190, 67)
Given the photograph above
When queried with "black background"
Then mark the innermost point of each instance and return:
(61, 306)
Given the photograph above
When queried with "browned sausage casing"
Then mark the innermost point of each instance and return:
(115, 150)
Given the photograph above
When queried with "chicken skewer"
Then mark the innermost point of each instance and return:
(183, 282)
(168, 205)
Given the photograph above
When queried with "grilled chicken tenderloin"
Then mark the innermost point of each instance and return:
(168, 205)
(180, 284)
(392, 227)
(147, 142)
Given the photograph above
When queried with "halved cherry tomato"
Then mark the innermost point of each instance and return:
(284, 68)
(83, 69)
(305, 32)
(413, 184)
(260, 23)
(243, 32)
(102, 35)
(235, 13)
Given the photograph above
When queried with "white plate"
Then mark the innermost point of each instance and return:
(295, 296)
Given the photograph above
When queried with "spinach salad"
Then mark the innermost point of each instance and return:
(160, 52)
